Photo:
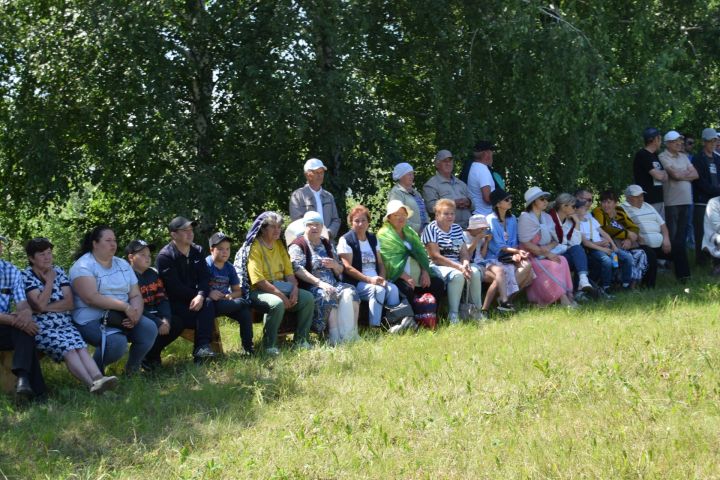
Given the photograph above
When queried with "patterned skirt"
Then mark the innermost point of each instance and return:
(57, 335)
(324, 303)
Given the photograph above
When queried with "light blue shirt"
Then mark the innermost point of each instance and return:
(501, 237)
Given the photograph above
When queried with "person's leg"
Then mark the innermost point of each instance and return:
(600, 264)
(88, 363)
(275, 309)
(375, 296)
(75, 365)
(115, 343)
(392, 294)
(304, 308)
(142, 336)
(240, 312)
(625, 260)
(651, 273)
(204, 324)
(682, 265)
(671, 220)
(476, 286)
(455, 284)
(491, 278)
(25, 360)
(701, 258)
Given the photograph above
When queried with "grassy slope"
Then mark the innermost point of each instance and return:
(625, 389)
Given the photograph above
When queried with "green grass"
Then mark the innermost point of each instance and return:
(627, 389)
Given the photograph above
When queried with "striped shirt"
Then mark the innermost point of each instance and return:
(449, 243)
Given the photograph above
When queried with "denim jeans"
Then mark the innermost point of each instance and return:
(625, 259)
(378, 296)
(142, 336)
(601, 268)
(577, 259)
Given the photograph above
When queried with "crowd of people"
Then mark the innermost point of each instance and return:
(457, 243)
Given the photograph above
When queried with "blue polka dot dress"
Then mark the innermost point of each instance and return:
(56, 335)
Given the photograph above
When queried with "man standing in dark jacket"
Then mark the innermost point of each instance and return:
(185, 274)
(707, 186)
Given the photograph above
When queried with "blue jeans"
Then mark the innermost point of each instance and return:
(577, 259)
(600, 267)
(625, 259)
(377, 296)
(240, 312)
(142, 337)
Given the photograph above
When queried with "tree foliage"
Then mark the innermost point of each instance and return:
(132, 112)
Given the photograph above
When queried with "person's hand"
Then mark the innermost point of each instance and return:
(607, 251)
(164, 327)
(330, 263)
(327, 288)
(380, 281)
(523, 254)
(424, 279)
(553, 257)
(133, 315)
(49, 276)
(466, 271)
(409, 280)
(286, 301)
(216, 295)
(294, 296)
(666, 247)
(24, 321)
(196, 303)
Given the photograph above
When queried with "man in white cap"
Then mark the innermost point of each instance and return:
(654, 236)
(677, 191)
(446, 185)
(312, 197)
(705, 187)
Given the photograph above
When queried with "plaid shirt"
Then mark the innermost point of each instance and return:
(11, 286)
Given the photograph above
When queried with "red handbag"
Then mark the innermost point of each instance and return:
(425, 308)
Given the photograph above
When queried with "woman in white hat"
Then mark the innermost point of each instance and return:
(405, 192)
(318, 270)
(406, 261)
(536, 234)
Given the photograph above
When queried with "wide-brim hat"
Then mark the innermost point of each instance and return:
(533, 193)
(394, 205)
(498, 195)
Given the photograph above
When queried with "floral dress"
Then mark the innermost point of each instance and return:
(324, 301)
(56, 333)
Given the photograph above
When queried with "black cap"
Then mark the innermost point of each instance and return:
(483, 145)
(178, 223)
(219, 237)
(137, 245)
(498, 195)
(650, 133)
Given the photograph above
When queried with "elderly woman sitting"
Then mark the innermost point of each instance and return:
(318, 270)
(405, 257)
(617, 223)
(359, 251)
(537, 236)
(266, 277)
(105, 286)
(445, 243)
(404, 191)
(49, 294)
(567, 230)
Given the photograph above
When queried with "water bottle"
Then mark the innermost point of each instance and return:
(615, 260)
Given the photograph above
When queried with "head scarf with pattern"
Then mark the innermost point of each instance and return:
(242, 255)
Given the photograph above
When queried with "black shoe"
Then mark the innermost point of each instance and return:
(23, 389)
(248, 352)
(204, 353)
(150, 365)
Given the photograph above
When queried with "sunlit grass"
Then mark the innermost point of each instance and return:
(628, 388)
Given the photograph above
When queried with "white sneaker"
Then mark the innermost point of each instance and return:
(584, 284)
(272, 352)
(453, 318)
(303, 345)
(102, 385)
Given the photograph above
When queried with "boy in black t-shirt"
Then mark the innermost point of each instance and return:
(648, 171)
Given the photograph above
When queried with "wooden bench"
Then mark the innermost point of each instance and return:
(216, 341)
(7, 379)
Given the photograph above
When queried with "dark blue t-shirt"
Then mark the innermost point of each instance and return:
(222, 278)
